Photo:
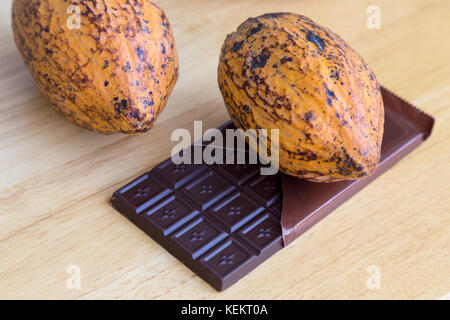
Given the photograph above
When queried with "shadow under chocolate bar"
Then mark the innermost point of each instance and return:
(222, 221)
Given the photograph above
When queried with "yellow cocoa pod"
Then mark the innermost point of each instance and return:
(283, 71)
(106, 65)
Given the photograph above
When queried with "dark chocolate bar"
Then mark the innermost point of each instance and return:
(222, 220)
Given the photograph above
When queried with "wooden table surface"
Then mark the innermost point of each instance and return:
(56, 179)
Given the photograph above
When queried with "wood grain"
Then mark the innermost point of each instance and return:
(56, 179)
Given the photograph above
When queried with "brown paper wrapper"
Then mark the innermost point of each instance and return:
(305, 203)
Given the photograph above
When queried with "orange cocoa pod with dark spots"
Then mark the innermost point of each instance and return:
(283, 71)
(106, 65)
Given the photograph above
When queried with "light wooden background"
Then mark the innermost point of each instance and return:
(56, 179)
